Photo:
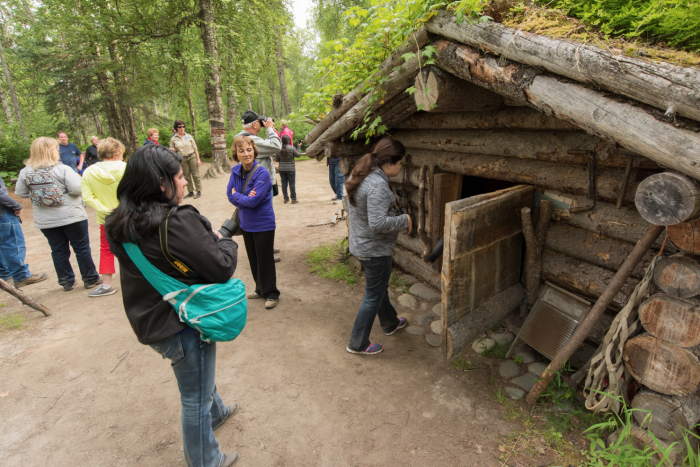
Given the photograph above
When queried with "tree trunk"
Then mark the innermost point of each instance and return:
(583, 278)
(671, 319)
(247, 96)
(231, 110)
(6, 106)
(193, 117)
(411, 45)
(668, 198)
(165, 109)
(217, 127)
(283, 80)
(113, 121)
(523, 118)
(685, 236)
(593, 248)
(271, 85)
(81, 125)
(628, 125)
(679, 275)
(661, 366)
(262, 98)
(98, 124)
(155, 107)
(569, 178)
(10, 85)
(670, 415)
(396, 83)
(132, 141)
(662, 85)
(441, 92)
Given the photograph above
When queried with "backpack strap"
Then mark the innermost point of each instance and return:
(176, 263)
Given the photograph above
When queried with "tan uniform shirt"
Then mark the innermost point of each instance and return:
(184, 145)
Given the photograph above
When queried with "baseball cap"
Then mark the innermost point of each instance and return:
(249, 117)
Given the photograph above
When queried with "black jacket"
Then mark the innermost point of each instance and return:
(190, 240)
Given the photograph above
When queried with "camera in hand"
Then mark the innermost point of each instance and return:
(398, 211)
(229, 228)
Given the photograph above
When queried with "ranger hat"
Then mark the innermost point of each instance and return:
(249, 117)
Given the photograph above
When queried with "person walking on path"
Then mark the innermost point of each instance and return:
(153, 184)
(91, 157)
(256, 217)
(336, 178)
(287, 168)
(373, 233)
(70, 153)
(99, 187)
(151, 137)
(183, 143)
(12, 247)
(59, 213)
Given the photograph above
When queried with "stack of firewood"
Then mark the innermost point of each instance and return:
(665, 359)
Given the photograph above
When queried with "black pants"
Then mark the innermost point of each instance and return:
(260, 246)
(75, 234)
(289, 177)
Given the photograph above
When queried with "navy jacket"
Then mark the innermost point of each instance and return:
(255, 213)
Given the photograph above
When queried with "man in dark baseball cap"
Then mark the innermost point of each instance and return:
(249, 117)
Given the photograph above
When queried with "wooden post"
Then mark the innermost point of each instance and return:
(446, 188)
(24, 298)
(534, 242)
(584, 328)
(422, 231)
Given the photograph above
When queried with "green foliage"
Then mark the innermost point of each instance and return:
(11, 321)
(462, 363)
(329, 261)
(518, 360)
(675, 22)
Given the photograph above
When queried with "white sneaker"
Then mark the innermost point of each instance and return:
(334, 198)
(338, 201)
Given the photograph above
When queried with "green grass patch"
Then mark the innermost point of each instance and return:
(11, 321)
(396, 282)
(329, 261)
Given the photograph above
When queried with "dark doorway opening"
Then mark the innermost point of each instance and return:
(472, 186)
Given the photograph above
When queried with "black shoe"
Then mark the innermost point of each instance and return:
(294, 201)
(286, 200)
(199, 193)
(189, 195)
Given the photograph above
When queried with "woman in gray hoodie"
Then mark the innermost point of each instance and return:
(373, 232)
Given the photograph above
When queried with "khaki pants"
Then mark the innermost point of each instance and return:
(191, 171)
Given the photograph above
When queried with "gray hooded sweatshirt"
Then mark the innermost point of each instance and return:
(373, 229)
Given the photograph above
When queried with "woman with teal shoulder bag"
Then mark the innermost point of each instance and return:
(177, 289)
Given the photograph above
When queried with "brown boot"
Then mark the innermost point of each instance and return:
(33, 279)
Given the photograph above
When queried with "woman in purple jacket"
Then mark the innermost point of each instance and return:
(256, 217)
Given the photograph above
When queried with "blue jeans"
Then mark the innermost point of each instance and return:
(203, 411)
(375, 302)
(75, 234)
(12, 249)
(289, 178)
(337, 179)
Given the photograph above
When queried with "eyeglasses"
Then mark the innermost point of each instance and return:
(183, 126)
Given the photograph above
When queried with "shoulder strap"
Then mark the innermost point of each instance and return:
(160, 281)
(176, 263)
(250, 175)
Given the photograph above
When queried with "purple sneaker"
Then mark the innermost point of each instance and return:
(373, 349)
(402, 324)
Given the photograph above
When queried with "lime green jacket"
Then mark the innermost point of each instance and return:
(99, 186)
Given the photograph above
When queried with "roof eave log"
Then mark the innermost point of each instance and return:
(623, 123)
(662, 85)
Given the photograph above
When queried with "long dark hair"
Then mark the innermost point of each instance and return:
(286, 141)
(387, 151)
(142, 203)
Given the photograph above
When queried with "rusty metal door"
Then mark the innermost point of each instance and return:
(483, 250)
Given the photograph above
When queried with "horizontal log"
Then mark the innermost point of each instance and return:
(438, 91)
(412, 44)
(661, 366)
(662, 85)
(588, 246)
(628, 125)
(354, 149)
(552, 146)
(668, 198)
(413, 264)
(396, 83)
(413, 244)
(523, 118)
(568, 178)
(605, 219)
(672, 319)
(667, 417)
(481, 318)
(585, 279)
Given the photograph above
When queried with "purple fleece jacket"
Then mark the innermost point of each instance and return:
(255, 214)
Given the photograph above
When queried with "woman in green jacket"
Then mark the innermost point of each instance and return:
(99, 186)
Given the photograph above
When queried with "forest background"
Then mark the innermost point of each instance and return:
(116, 68)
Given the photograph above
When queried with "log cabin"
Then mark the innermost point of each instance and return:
(502, 120)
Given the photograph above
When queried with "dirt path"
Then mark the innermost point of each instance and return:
(84, 392)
